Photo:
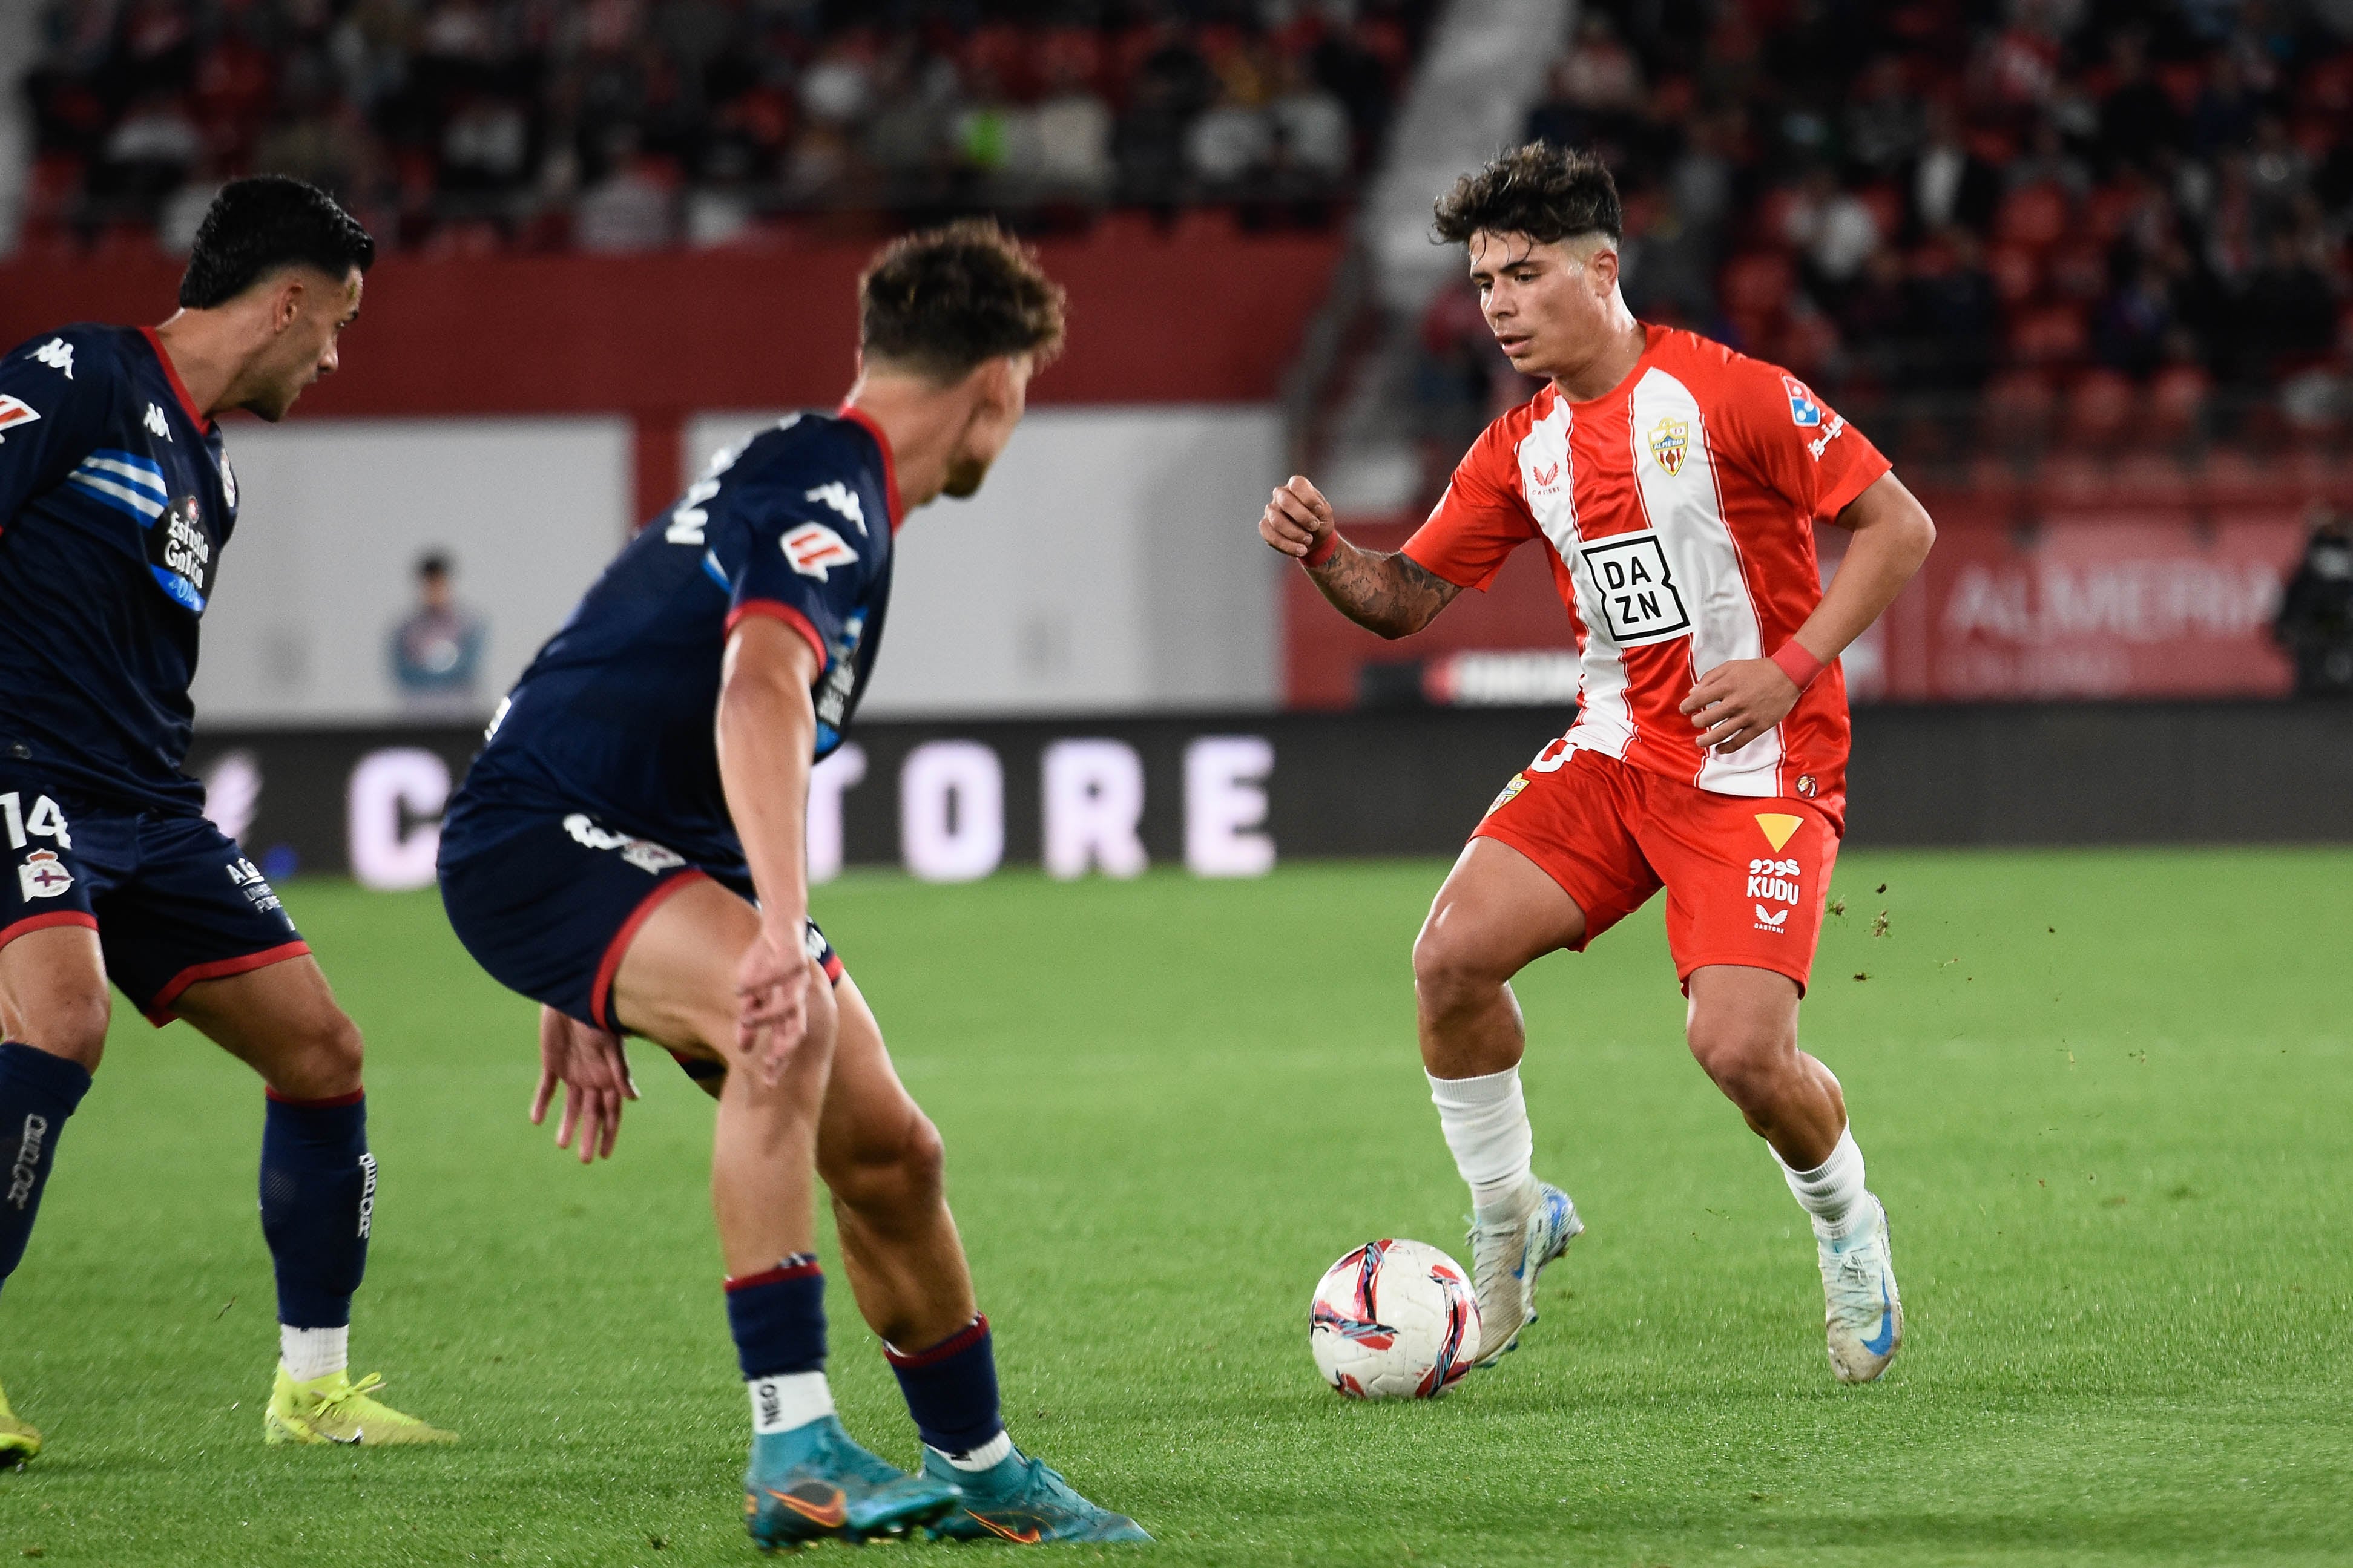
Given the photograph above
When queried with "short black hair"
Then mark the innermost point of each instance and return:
(259, 225)
(944, 299)
(433, 564)
(1545, 191)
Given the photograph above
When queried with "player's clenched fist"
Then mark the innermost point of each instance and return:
(1297, 519)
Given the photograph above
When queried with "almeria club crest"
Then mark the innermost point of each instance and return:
(1669, 442)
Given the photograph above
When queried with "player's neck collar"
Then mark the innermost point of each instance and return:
(179, 388)
(858, 416)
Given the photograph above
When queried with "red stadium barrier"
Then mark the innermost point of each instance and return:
(1210, 316)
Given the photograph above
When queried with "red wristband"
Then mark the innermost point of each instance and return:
(1795, 663)
(1324, 548)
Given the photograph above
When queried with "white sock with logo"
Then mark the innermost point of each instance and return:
(1486, 1121)
(312, 1353)
(1832, 1191)
(987, 1457)
(791, 1399)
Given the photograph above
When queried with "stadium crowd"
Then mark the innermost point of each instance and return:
(2104, 223)
(632, 125)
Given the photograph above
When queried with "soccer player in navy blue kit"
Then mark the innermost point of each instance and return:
(116, 498)
(628, 849)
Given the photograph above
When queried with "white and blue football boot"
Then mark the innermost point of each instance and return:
(1506, 1257)
(1861, 1304)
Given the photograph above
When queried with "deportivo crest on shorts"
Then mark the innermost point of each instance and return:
(1667, 444)
(42, 875)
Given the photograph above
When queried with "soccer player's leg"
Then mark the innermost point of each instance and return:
(883, 1163)
(675, 985)
(1746, 883)
(1549, 867)
(198, 934)
(53, 1015)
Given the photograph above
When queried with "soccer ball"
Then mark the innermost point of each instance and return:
(1394, 1320)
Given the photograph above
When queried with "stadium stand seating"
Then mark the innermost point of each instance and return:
(469, 126)
(2102, 225)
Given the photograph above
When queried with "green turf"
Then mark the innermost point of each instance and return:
(2114, 1152)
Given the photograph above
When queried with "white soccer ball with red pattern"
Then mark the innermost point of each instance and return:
(1394, 1320)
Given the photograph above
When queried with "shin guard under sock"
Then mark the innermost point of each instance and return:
(318, 1202)
(38, 1092)
(951, 1390)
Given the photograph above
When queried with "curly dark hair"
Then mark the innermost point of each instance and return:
(1545, 191)
(944, 300)
(256, 225)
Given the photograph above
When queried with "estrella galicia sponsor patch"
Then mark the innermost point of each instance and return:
(180, 554)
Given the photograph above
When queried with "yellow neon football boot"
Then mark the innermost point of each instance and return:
(18, 1440)
(334, 1409)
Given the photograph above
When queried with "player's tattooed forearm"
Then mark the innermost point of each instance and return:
(1392, 594)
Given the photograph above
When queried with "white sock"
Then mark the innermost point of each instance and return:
(1832, 1191)
(791, 1399)
(987, 1457)
(314, 1353)
(1486, 1121)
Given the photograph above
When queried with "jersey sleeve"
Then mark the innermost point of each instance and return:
(54, 392)
(1794, 443)
(1480, 519)
(795, 553)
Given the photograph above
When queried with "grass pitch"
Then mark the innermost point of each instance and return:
(2106, 1095)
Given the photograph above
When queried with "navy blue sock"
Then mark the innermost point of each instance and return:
(38, 1092)
(318, 1200)
(951, 1389)
(778, 1316)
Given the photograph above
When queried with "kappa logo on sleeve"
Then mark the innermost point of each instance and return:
(58, 354)
(14, 411)
(814, 550)
(843, 499)
(1804, 412)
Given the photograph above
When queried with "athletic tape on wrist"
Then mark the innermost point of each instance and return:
(1795, 663)
(1324, 550)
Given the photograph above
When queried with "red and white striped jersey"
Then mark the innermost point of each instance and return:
(1677, 511)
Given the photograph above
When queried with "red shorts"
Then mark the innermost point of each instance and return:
(1745, 878)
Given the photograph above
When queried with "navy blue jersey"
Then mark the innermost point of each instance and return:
(115, 500)
(615, 714)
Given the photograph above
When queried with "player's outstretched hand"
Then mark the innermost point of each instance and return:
(595, 1072)
(771, 1002)
(1735, 702)
(1297, 517)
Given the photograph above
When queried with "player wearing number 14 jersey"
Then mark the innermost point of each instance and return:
(1673, 486)
(116, 501)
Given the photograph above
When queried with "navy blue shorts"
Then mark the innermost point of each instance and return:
(172, 898)
(547, 900)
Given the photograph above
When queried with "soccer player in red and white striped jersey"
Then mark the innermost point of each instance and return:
(1673, 486)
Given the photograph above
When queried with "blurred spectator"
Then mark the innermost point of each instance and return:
(2136, 117)
(2316, 617)
(1073, 130)
(2133, 323)
(1948, 184)
(437, 648)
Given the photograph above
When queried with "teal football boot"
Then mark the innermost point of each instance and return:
(813, 1483)
(1023, 1500)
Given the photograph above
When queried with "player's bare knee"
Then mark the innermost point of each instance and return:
(1451, 976)
(327, 1060)
(72, 1026)
(901, 1177)
(1747, 1062)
